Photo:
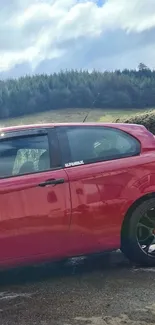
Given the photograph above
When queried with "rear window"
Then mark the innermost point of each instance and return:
(92, 144)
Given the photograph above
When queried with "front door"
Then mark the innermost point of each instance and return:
(35, 203)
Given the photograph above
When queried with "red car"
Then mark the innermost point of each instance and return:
(76, 189)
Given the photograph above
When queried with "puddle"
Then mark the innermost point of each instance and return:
(149, 269)
(11, 295)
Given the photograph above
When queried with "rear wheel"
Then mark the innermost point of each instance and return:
(138, 234)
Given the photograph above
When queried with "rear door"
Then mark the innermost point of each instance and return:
(98, 161)
(35, 203)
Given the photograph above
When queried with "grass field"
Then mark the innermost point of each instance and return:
(74, 115)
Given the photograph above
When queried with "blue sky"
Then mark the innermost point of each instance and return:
(39, 36)
(100, 2)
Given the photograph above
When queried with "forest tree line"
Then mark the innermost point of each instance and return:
(78, 89)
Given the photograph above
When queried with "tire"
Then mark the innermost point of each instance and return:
(130, 244)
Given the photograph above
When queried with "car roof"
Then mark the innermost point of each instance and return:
(52, 125)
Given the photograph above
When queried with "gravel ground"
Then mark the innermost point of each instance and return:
(104, 290)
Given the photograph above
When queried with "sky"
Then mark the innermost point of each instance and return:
(46, 36)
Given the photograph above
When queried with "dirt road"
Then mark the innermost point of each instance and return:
(98, 291)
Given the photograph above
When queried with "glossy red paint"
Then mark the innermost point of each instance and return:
(101, 196)
(34, 221)
(83, 215)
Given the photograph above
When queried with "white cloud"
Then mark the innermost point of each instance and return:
(41, 29)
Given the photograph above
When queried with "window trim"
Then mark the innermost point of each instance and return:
(65, 147)
(33, 133)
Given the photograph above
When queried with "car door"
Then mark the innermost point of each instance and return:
(98, 162)
(35, 205)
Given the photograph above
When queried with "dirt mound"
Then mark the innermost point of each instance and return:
(147, 119)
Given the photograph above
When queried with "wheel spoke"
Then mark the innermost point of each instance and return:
(141, 225)
(151, 221)
(153, 243)
(146, 232)
(149, 242)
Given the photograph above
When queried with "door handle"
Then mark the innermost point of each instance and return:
(52, 182)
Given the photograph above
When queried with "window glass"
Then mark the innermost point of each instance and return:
(19, 156)
(100, 143)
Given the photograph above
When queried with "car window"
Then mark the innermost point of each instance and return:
(100, 143)
(19, 156)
